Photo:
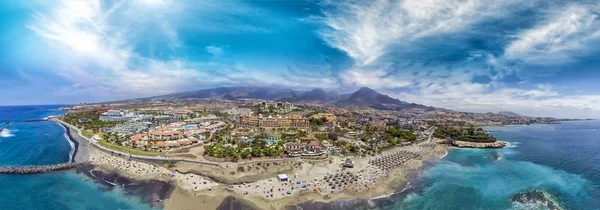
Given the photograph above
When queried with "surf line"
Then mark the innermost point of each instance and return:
(71, 142)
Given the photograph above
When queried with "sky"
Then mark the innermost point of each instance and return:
(533, 57)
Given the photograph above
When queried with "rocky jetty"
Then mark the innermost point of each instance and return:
(39, 169)
(468, 144)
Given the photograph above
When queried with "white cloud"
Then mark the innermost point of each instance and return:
(466, 96)
(365, 29)
(98, 47)
(374, 79)
(214, 50)
(567, 33)
(370, 32)
(97, 42)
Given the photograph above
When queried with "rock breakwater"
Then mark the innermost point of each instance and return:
(39, 169)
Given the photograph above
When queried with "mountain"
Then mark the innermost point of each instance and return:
(234, 93)
(512, 114)
(363, 98)
(368, 98)
(318, 95)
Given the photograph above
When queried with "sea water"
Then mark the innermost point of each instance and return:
(41, 143)
(560, 159)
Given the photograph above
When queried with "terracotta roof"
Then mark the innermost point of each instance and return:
(184, 141)
(138, 137)
(171, 143)
(160, 144)
(164, 132)
(192, 139)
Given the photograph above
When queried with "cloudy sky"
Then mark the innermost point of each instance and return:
(534, 57)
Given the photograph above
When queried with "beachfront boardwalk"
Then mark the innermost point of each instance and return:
(39, 169)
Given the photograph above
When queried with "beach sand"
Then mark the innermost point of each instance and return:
(269, 193)
(253, 185)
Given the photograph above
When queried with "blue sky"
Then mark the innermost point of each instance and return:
(535, 57)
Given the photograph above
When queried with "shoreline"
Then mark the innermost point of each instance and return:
(72, 142)
(191, 190)
(79, 148)
(152, 192)
(395, 184)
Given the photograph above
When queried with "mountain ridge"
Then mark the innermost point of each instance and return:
(362, 98)
(513, 114)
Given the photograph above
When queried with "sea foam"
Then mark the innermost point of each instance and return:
(6, 133)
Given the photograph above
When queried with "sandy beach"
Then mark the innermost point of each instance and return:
(254, 184)
(309, 183)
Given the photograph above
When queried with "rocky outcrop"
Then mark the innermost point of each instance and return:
(468, 144)
(535, 199)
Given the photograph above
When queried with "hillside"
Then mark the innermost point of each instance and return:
(363, 98)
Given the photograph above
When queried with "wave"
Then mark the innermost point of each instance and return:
(6, 133)
(71, 143)
(382, 196)
(113, 184)
(51, 116)
(443, 156)
(512, 144)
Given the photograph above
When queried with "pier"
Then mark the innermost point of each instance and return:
(39, 169)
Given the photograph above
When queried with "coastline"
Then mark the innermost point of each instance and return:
(80, 151)
(395, 183)
(189, 190)
(152, 190)
(479, 145)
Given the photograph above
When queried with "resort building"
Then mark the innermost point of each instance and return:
(216, 127)
(240, 112)
(206, 119)
(278, 122)
(283, 105)
(164, 134)
(130, 128)
(183, 113)
(312, 148)
(117, 115)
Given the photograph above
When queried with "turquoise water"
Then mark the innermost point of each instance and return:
(39, 143)
(561, 159)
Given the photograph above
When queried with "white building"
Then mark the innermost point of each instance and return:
(130, 128)
(240, 112)
(117, 115)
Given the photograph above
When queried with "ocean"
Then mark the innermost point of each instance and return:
(41, 143)
(559, 159)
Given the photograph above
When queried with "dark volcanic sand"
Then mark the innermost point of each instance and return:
(151, 191)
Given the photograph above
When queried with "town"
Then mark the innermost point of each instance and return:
(221, 130)
(268, 150)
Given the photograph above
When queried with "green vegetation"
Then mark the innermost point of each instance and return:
(89, 120)
(317, 122)
(396, 132)
(88, 133)
(129, 150)
(258, 148)
(464, 134)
